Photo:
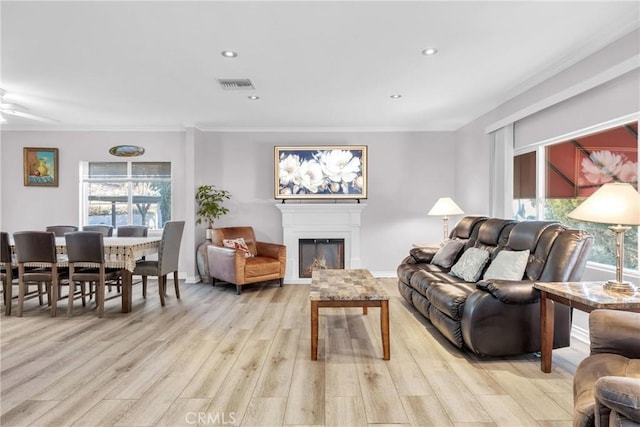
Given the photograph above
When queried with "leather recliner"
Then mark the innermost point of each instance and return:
(606, 385)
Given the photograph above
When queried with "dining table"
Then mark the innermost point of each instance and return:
(119, 252)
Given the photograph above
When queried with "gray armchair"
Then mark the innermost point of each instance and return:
(606, 385)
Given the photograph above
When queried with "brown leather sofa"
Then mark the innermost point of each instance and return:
(606, 385)
(265, 261)
(496, 317)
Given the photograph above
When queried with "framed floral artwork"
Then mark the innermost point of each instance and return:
(320, 172)
(40, 166)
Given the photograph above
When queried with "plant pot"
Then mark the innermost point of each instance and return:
(202, 259)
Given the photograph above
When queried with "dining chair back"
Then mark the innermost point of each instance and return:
(87, 247)
(132, 231)
(106, 230)
(59, 230)
(37, 247)
(168, 257)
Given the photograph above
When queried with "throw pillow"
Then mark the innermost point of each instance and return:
(447, 253)
(508, 265)
(238, 244)
(469, 266)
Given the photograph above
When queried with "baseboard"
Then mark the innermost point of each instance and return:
(580, 334)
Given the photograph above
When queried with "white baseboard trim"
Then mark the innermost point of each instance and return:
(580, 334)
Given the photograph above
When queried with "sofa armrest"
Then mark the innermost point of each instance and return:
(626, 339)
(617, 394)
(423, 255)
(511, 291)
(270, 250)
(225, 263)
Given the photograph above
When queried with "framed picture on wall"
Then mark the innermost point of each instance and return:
(40, 166)
(320, 172)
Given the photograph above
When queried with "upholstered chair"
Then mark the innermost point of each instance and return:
(168, 256)
(106, 230)
(38, 247)
(606, 385)
(59, 230)
(86, 249)
(257, 262)
(132, 231)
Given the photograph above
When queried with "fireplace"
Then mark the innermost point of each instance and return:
(319, 254)
(320, 221)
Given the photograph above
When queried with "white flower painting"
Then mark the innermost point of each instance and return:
(321, 172)
(604, 166)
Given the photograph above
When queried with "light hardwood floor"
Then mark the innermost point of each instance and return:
(215, 358)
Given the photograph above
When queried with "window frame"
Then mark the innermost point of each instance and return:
(130, 180)
(541, 159)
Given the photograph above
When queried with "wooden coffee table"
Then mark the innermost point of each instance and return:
(348, 288)
(585, 296)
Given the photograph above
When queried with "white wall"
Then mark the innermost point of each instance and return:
(408, 171)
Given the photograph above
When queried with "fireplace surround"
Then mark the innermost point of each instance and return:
(320, 221)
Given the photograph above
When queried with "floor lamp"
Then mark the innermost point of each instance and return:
(445, 207)
(617, 204)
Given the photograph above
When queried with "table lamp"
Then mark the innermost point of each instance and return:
(445, 207)
(617, 204)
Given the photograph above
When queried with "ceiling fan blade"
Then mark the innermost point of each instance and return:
(30, 116)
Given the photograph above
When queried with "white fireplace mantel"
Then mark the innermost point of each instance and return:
(323, 221)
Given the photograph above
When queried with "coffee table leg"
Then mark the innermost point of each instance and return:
(314, 330)
(546, 332)
(384, 328)
(364, 310)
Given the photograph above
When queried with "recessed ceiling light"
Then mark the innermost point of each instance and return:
(430, 51)
(229, 54)
(253, 97)
(396, 96)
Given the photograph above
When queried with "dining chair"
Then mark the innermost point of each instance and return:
(37, 247)
(168, 255)
(87, 249)
(132, 231)
(59, 230)
(106, 230)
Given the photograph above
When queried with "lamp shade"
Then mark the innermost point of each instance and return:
(614, 203)
(445, 206)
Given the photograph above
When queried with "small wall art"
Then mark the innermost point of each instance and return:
(40, 166)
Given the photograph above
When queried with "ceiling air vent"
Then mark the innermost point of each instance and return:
(235, 84)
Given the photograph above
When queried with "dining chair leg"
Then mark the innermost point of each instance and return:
(41, 292)
(176, 284)
(54, 297)
(100, 298)
(162, 287)
(7, 298)
(144, 286)
(72, 292)
(21, 287)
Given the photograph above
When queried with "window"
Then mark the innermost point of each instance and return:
(120, 193)
(573, 170)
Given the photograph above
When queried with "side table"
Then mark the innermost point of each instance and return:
(585, 296)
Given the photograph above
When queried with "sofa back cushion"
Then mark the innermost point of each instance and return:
(567, 257)
(493, 234)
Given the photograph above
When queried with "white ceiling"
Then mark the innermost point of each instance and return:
(315, 65)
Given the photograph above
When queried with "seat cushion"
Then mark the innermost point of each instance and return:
(261, 266)
(449, 298)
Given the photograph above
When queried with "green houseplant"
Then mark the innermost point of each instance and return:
(210, 201)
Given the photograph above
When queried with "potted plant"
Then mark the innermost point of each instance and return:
(210, 201)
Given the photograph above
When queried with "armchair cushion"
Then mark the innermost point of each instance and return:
(238, 244)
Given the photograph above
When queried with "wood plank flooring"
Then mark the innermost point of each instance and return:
(215, 358)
